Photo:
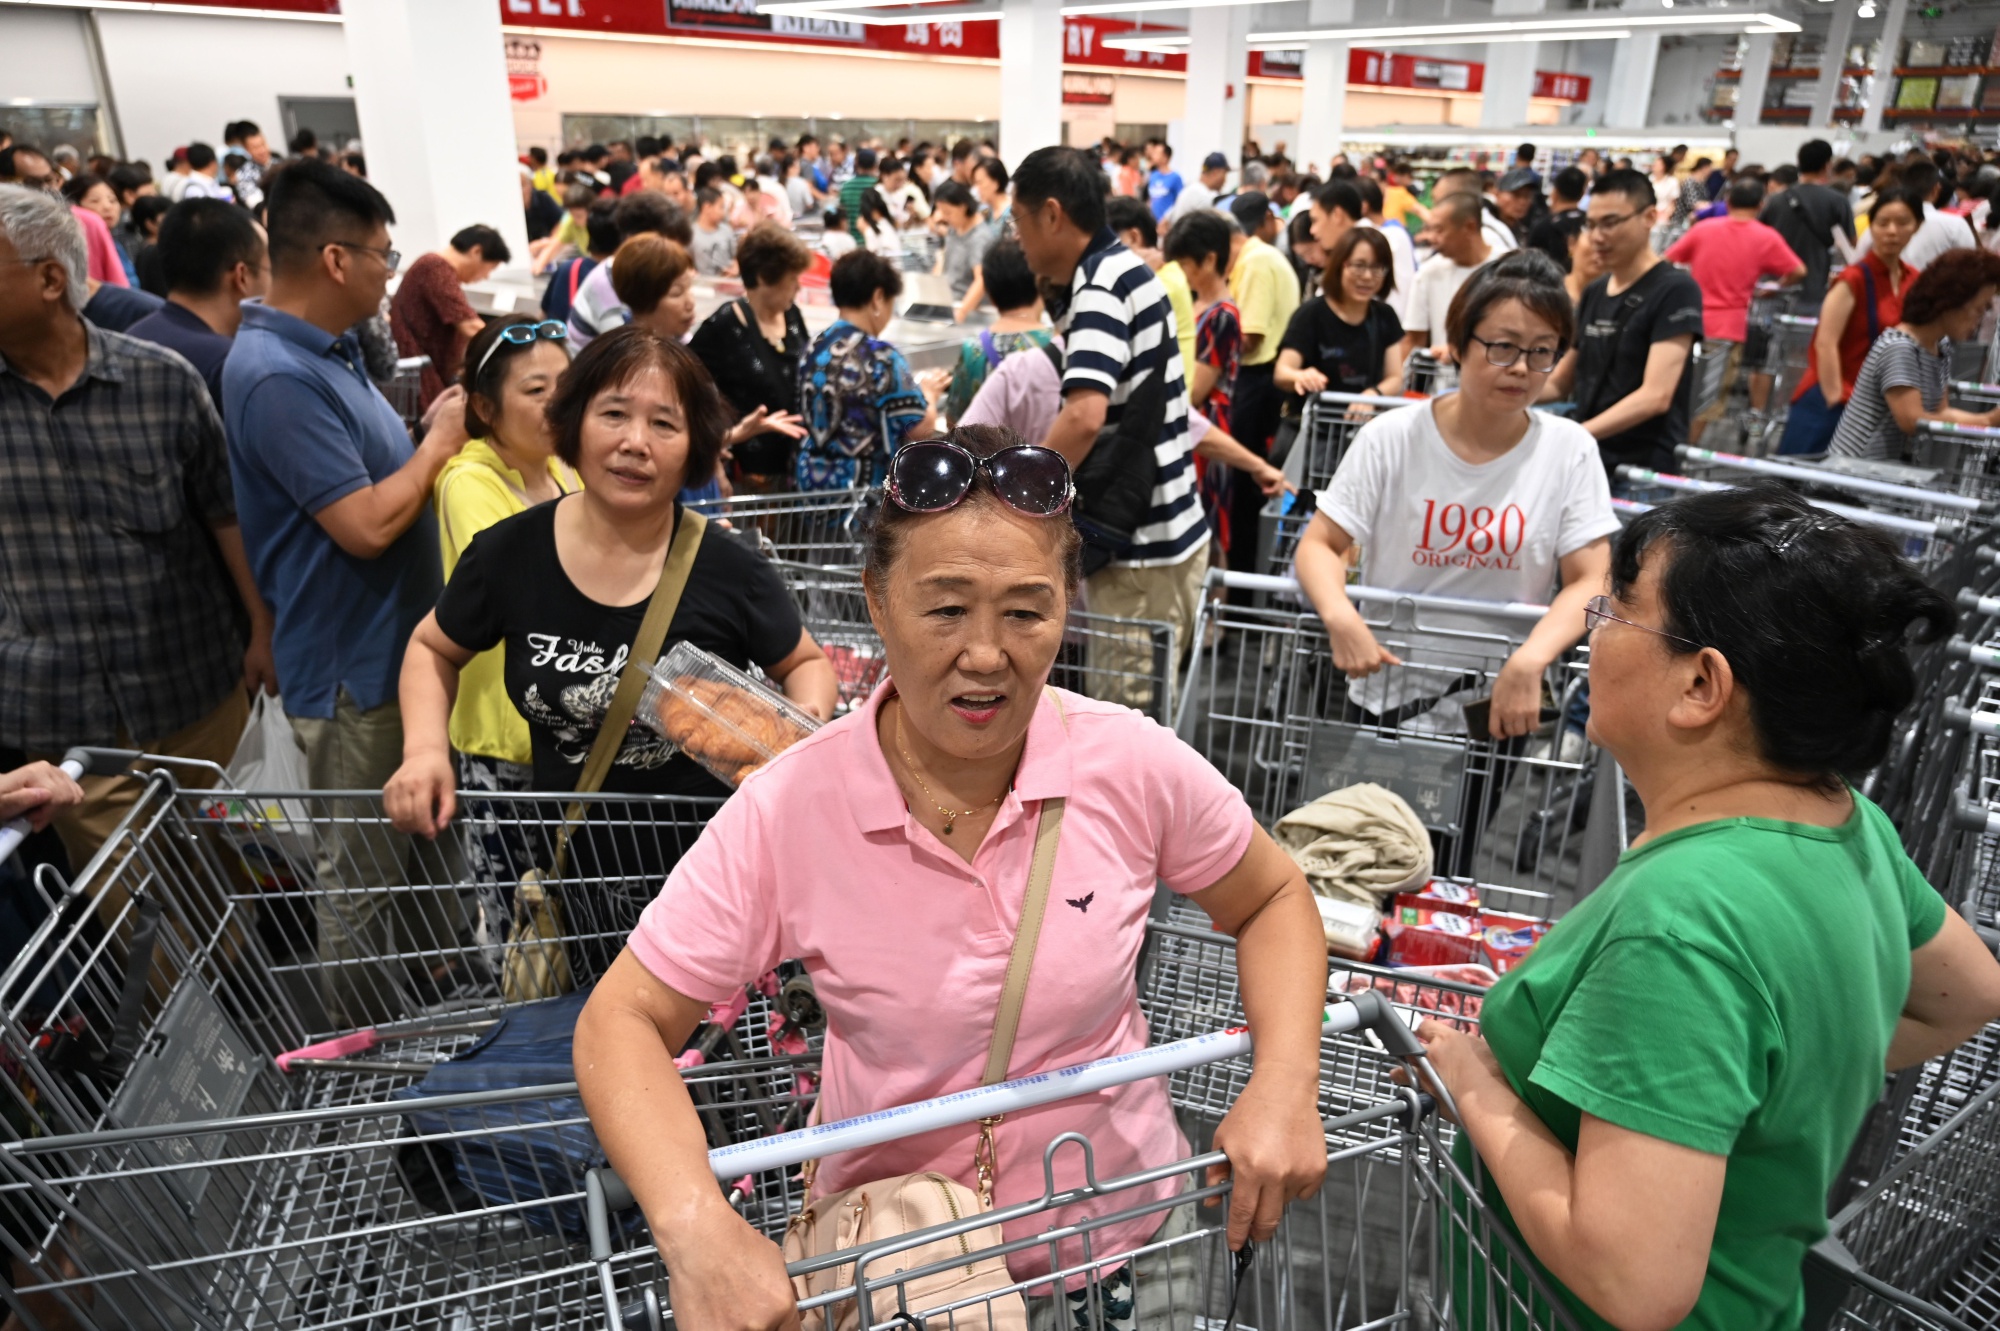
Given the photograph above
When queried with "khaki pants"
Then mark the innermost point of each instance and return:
(1121, 667)
(385, 904)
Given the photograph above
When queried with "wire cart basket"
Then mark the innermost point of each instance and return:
(405, 389)
(821, 528)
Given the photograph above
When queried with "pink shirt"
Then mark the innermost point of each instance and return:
(100, 250)
(1727, 255)
(818, 858)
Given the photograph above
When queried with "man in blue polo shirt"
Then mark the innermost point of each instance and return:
(335, 507)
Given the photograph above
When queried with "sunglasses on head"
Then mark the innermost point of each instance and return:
(521, 335)
(932, 475)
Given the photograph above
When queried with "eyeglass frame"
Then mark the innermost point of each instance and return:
(1555, 354)
(391, 257)
(1597, 613)
(1608, 223)
(535, 334)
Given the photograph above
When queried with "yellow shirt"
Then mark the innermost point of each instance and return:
(1398, 203)
(1266, 292)
(475, 490)
(1174, 278)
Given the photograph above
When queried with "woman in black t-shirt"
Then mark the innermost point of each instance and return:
(753, 347)
(1349, 340)
(565, 586)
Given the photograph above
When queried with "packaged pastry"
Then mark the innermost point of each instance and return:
(729, 722)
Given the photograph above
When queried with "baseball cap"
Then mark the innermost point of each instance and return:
(1517, 179)
(1215, 162)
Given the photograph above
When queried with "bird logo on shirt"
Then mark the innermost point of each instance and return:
(1082, 903)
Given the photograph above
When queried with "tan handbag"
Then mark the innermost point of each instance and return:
(537, 962)
(875, 1212)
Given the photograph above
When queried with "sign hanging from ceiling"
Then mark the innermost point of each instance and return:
(1087, 89)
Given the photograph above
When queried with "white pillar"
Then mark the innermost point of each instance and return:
(1217, 69)
(1031, 56)
(1756, 78)
(1630, 102)
(430, 89)
(1323, 97)
(1510, 72)
(1826, 91)
(1881, 81)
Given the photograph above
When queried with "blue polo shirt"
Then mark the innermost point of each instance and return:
(178, 328)
(307, 427)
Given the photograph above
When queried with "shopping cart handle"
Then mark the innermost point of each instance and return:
(1971, 816)
(1977, 653)
(1969, 599)
(75, 765)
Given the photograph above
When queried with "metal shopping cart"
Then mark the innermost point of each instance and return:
(817, 527)
(1882, 487)
(1788, 353)
(1133, 661)
(1266, 704)
(1425, 375)
(405, 390)
(1966, 456)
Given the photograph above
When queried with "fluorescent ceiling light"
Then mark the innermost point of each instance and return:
(849, 11)
(1585, 35)
(1535, 29)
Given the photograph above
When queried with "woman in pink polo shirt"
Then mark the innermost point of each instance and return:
(890, 852)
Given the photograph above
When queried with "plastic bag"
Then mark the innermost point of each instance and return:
(273, 834)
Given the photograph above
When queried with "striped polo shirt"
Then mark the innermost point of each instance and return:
(1118, 330)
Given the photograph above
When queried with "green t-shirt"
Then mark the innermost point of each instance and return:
(1732, 987)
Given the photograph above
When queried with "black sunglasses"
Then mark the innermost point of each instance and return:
(932, 475)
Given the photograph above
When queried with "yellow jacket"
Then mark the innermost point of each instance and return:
(475, 490)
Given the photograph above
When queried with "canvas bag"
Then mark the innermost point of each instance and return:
(537, 964)
(875, 1212)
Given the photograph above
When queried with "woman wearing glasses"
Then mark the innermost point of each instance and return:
(565, 585)
(1350, 341)
(891, 852)
(508, 466)
(1472, 494)
(1669, 1083)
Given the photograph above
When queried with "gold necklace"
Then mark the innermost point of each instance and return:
(950, 816)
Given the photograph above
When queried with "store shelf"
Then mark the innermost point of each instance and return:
(1946, 117)
(1926, 71)
(1735, 75)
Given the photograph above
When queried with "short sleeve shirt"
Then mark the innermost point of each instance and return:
(1218, 344)
(306, 428)
(1783, 1001)
(1351, 356)
(1438, 280)
(424, 314)
(1615, 335)
(963, 252)
(1726, 256)
(565, 651)
(817, 858)
(1808, 216)
(1266, 291)
(1868, 428)
(860, 403)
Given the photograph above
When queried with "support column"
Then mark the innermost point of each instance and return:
(437, 122)
(1323, 97)
(1218, 68)
(1031, 56)
(1881, 81)
(1629, 103)
(1510, 72)
(1756, 79)
(430, 89)
(1826, 91)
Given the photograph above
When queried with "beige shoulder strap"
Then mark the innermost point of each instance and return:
(646, 646)
(1041, 873)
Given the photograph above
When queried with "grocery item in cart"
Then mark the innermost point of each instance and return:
(1432, 930)
(718, 715)
(1359, 843)
(1353, 930)
(1448, 1005)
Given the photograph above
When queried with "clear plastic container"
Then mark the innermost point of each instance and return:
(724, 719)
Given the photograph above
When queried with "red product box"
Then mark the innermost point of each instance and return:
(1440, 893)
(1505, 938)
(1432, 934)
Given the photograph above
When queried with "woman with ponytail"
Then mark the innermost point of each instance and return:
(1663, 1091)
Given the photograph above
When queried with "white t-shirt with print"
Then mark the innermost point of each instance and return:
(1429, 521)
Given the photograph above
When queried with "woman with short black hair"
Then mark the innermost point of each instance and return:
(1904, 380)
(858, 396)
(1748, 665)
(753, 348)
(1011, 286)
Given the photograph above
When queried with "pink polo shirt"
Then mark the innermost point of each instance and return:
(817, 858)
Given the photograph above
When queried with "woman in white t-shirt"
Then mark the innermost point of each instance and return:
(1474, 495)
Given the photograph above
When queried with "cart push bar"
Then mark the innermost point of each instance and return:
(1266, 582)
(1836, 480)
(1939, 529)
(75, 764)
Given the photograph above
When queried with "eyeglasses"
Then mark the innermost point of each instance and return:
(1503, 354)
(1365, 269)
(522, 335)
(391, 259)
(933, 475)
(1606, 223)
(1597, 613)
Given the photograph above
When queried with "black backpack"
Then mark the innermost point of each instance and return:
(1114, 486)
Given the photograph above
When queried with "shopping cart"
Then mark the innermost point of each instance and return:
(1788, 354)
(1967, 456)
(1883, 487)
(1425, 375)
(1133, 661)
(1265, 703)
(817, 527)
(405, 390)
(1327, 427)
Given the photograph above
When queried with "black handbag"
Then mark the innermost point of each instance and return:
(1114, 486)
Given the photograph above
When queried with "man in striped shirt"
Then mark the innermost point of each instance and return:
(1118, 333)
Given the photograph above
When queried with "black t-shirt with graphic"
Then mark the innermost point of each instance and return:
(565, 651)
(1615, 335)
(1349, 355)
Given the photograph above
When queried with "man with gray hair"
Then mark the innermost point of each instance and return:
(130, 618)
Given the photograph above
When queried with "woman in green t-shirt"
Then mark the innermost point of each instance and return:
(1666, 1088)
